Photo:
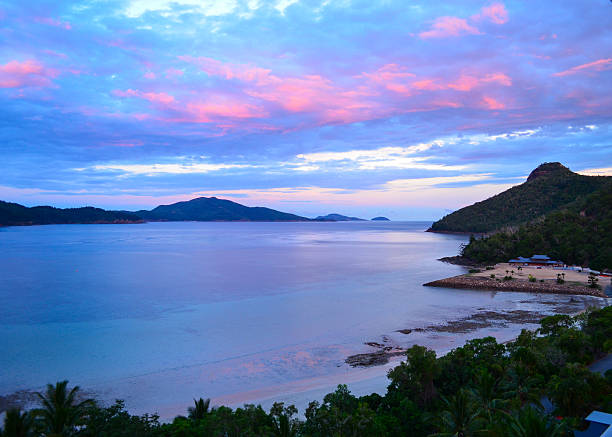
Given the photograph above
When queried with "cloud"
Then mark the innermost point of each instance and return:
(158, 169)
(136, 8)
(491, 103)
(449, 26)
(495, 13)
(385, 157)
(30, 73)
(161, 98)
(416, 184)
(444, 27)
(603, 171)
(53, 22)
(599, 65)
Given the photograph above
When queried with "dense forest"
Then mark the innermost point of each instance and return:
(550, 187)
(481, 389)
(13, 214)
(579, 234)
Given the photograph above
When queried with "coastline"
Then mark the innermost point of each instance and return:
(480, 283)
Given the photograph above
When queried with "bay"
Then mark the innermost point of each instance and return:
(160, 313)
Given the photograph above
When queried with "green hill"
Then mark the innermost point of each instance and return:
(14, 214)
(580, 233)
(213, 209)
(548, 188)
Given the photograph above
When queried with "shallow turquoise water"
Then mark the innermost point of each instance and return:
(160, 313)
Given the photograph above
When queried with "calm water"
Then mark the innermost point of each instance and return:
(160, 313)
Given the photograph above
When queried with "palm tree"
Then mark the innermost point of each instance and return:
(60, 412)
(200, 410)
(531, 423)
(461, 418)
(17, 424)
(487, 390)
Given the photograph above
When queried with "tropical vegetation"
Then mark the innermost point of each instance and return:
(550, 187)
(480, 389)
(580, 234)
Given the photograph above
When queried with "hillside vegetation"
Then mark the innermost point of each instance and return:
(214, 209)
(548, 188)
(13, 214)
(579, 234)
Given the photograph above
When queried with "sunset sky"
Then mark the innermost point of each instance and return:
(407, 109)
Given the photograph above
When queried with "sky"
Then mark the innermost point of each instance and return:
(408, 109)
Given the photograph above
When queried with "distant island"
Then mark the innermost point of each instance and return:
(199, 209)
(203, 209)
(338, 218)
(13, 214)
(380, 219)
(208, 209)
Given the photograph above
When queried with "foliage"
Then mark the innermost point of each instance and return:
(550, 187)
(581, 234)
(482, 388)
(12, 214)
(18, 424)
(61, 412)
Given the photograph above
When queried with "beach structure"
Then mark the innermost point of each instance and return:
(600, 425)
(536, 260)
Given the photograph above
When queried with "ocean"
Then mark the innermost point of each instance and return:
(161, 313)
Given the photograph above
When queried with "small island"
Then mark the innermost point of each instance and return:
(380, 219)
(337, 218)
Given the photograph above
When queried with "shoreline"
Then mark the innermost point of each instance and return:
(480, 283)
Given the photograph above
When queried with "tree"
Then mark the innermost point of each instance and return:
(529, 422)
(284, 424)
(17, 424)
(416, 375)
(200, 410)
(461, 416)
(593, 281)
(60, 412)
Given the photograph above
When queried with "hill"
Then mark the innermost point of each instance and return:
(580, 233)
(337, 218)
(14, 214)
(548, 188)
(213, 209)
(380, 219)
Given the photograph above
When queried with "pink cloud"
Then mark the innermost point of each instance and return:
(214, 67)
(149, 75)
(53, 22)
(491, 103)
(495, 13)
(305, 93)
(161, 98)
(212, 110)
(208, 111)
(427, 85)
(599, 65)
(31, 73)
(467, 82)
(392, 77)
(387, 73)
(444, 27)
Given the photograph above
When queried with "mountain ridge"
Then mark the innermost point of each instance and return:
(215, 209)
(14, 214)
(549, 187)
